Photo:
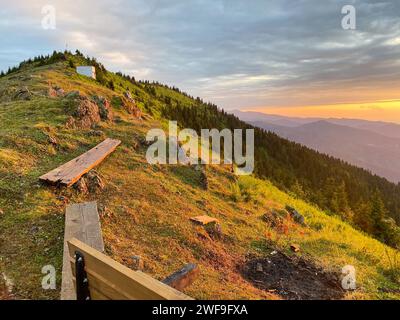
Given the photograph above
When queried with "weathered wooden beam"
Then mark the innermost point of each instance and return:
(83, 223)
(70, 172)
(183, 277)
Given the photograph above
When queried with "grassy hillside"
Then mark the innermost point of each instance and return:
(145, 209)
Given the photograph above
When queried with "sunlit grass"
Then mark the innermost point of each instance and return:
(149, 207)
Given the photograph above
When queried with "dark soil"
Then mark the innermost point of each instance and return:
(292, 278)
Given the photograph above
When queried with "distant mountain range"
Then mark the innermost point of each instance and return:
(372, 145)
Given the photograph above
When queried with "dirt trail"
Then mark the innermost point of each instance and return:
(292, 278)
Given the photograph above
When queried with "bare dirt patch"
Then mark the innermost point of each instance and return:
(292, 278)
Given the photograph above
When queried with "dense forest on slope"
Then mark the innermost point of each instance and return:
(367, 201)
(355, 194)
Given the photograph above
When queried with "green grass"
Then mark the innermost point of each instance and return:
(150, 206)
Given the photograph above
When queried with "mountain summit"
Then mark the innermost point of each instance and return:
(284, 233)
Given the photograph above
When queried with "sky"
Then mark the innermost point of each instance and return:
(287, 57)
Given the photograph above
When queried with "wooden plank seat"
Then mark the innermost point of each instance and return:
(83, 223)
(72, 171)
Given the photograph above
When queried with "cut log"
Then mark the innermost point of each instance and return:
(204, 219)
(81, 222)
(183, 277)
(70, 172)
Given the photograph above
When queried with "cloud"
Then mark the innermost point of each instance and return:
(80, 40)
(235, 53)
(371, 107)
(393, 42)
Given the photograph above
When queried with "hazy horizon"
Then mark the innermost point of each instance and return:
(390, 114)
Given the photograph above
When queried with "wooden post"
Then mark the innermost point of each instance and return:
(183, 277)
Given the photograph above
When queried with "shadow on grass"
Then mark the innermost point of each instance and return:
(187, 174)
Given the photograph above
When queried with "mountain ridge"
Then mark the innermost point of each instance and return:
(146, 209)
(355, 144)
(389, 129)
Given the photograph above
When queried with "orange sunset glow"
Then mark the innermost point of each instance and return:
(388, 111)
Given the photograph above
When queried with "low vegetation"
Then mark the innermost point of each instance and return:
(145, 209)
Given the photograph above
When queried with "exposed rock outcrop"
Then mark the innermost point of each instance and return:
(274, 217)
(85, 112)
(23, 94)
(129, 104)
(85, 115)
(55, 91)
(104, 108)
(297, 217)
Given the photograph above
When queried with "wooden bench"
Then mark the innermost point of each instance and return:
(103, 278)
(107, 278)
(70, 172)
(81, 222)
